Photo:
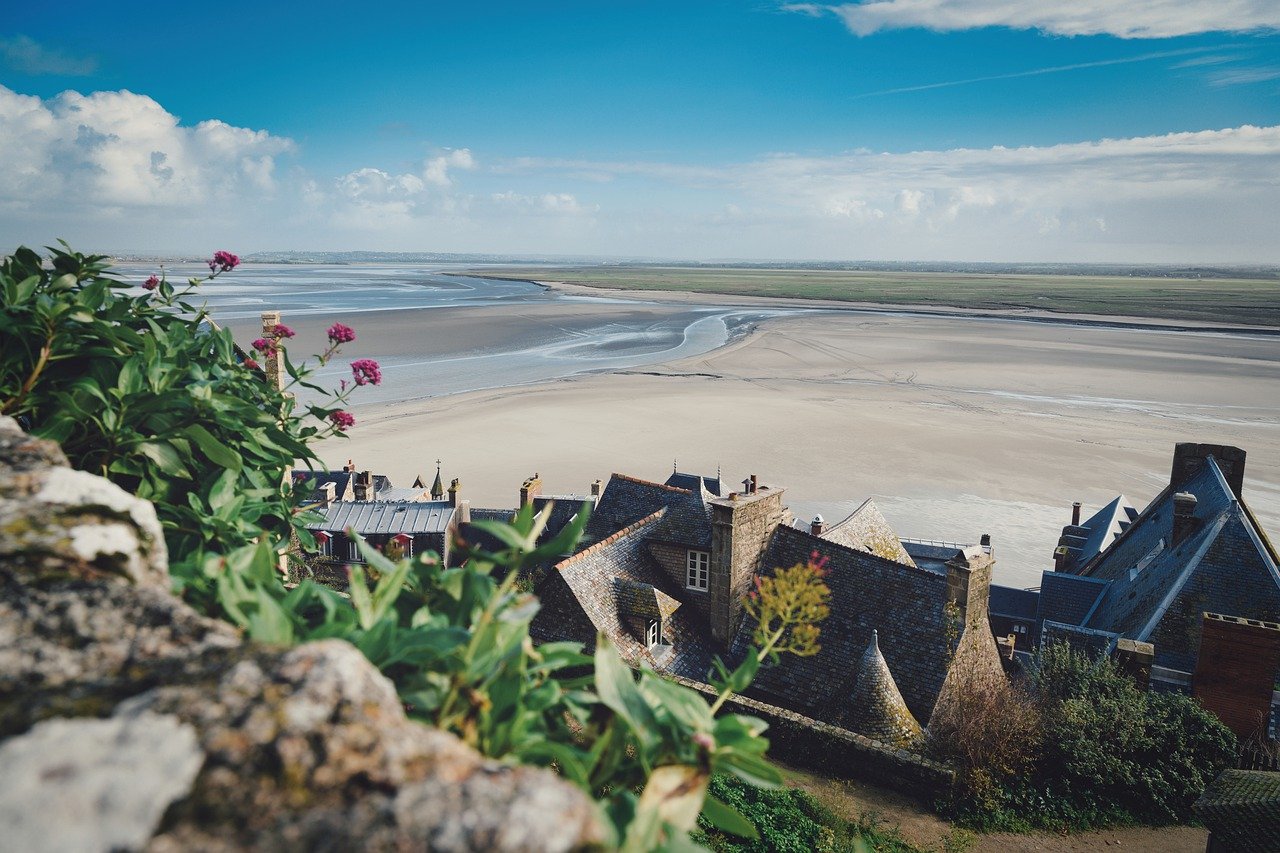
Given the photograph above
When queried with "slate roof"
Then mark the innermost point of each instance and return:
(876, 708)
(636, 598)
(376, 517)
(1088, 539)
(866, 530)
(582, 595)
(396, 493)
(340, 479)
(1241, 808)
(695, 482)
(903, 603)
(1091, 641)
(625, 501)
(1159, 588)
(1012, 602)
(1069, 599)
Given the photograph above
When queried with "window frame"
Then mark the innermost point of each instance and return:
(324, 544)
(353, 551)
(653, 633)
(697, 570)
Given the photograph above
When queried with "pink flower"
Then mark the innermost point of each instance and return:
(342, 420)
(265, 346)
(223, 261)
(281, 331)
(366, 371)
(251, 364)
(152, 283)
(341, 334)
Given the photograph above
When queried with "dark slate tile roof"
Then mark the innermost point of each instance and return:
(340, 479)
(1159, 588)
(687, 521)
(586, 586)
(1241, 808)
(374, 517)
(695, 482)
(1016, 603)
(930, 555)
(866, 530)
(625, 501)
(904, 604)
(1066, 598)
(1088, 640)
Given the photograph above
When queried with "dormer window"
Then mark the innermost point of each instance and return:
(698, 567)
(353, 551)
(324, 544)
(652, 633)
(403, 544)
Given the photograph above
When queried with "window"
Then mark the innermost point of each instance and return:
(697, 567)
(403, 545)
(353, 551)
(652, 633)
(324, 544)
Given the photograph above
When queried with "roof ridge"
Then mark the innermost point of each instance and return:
(1124, 534)
(609, 540)
(930, 572)
(641, 482)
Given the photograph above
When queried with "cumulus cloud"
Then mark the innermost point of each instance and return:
(1129, 19)
(27, 56)
(122, 150)
(436, 169)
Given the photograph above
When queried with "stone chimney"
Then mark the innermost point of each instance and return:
(454, 488)
(1075, 514)
(1135, 660)
(1188, 458)
(740, 529)
(464, 512)
(364, 486)
(818, 525)
(530, 489)
(328, 493)
(272, 365)
(597, 489)
(969, 584)
(1184, 510)
(350, 467)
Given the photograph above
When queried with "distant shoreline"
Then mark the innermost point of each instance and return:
(1013, 314)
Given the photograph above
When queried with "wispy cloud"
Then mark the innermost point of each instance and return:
(1243, 76)
(1128, 19)
(1034, 72)
(27, 56)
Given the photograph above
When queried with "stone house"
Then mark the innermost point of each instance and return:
(663, 571)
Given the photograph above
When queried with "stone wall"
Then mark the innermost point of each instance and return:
(803, 742)
(128, 721)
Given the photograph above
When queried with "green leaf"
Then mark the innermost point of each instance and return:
(751, 769)
(617, 687)
(725, 817)
(268, 623)
(223, 490)
(165, 457)
(218, 453)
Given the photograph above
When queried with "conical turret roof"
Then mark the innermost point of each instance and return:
(876, 708)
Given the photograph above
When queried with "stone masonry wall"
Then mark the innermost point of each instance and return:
(130, 722)
(808, 743)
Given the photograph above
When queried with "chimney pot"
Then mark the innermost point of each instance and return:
(1075, 514)
(1184, 508)
(597, 488)
(454, 488)
(818, 525)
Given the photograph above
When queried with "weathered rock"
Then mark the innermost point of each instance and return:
(58, 523)
(305, 748)
(90, 785)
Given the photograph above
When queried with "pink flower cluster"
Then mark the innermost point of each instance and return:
(342, 420)
(223, 261)
(340, 334)
(151, 283)
(366, 371)
(280, 330)
(269, 346)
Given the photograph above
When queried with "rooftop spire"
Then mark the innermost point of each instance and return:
(877, 708)
(437, 488)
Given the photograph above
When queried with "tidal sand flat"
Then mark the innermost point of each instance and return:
(956, 426)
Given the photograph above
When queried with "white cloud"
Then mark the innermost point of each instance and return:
(27, 56)
(436, 169)
(1123, 18)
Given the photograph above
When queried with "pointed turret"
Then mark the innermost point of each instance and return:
(877, 709)
(437, 488)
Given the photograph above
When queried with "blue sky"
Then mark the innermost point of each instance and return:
(893, 129)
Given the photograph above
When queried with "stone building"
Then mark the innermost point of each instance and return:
(663, 571)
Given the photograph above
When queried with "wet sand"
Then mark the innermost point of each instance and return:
(957, 426)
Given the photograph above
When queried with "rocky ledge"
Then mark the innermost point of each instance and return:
(130, 722)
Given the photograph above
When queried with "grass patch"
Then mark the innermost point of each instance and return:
(1219, 300)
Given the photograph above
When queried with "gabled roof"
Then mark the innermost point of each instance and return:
(1158, 587)
(636, 598)
(590, 592)
(1088, 539)
(904, 603)
(1069, 599)
(876, 707)
(377, 517)
(695, 482)
(866, 530)
(626, 500)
